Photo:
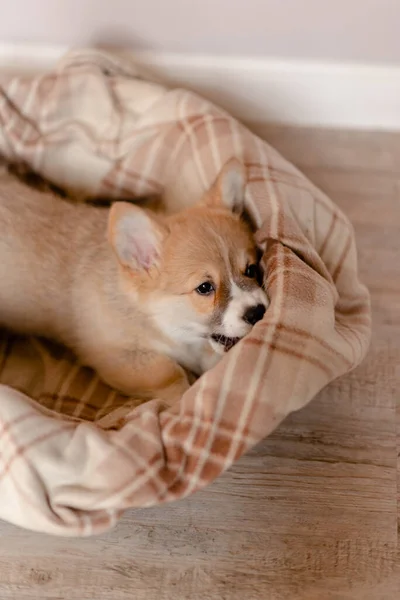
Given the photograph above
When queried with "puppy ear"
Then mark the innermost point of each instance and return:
(228, 189)
(135, 236)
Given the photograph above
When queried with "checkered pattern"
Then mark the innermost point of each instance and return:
(73, 453)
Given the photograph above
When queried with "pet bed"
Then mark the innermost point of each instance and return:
(75, 454)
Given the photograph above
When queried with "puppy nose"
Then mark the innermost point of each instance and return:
(254, 314)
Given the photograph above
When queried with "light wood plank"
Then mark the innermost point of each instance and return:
(311, 513)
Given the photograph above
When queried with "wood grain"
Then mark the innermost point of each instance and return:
(312, 512)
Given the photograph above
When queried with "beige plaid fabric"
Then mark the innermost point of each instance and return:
(73, 453)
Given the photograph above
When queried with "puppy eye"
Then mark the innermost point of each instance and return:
(251, 271)
(205, 289)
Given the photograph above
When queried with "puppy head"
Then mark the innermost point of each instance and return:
(195, 272)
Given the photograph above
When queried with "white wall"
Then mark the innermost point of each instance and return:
(364, 30)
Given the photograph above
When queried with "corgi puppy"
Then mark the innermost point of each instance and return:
(145, 299)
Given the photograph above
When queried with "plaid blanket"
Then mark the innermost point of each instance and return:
(75, 454)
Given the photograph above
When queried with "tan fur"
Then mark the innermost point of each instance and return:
(63, 275)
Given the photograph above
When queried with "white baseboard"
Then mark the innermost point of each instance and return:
(255, 89)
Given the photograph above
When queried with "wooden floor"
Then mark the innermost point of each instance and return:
(312, 512)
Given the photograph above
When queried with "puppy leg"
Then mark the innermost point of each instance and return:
(156, 376)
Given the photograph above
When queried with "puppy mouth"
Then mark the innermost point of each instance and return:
(226, 342)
